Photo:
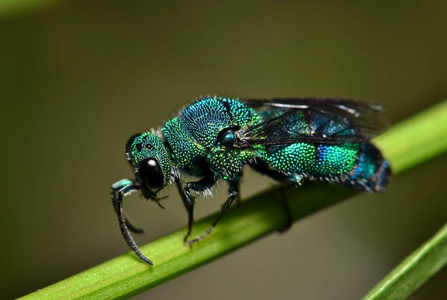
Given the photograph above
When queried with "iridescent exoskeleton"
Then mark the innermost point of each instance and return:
(287, 139)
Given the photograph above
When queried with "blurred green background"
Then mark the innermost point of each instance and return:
(78, 78)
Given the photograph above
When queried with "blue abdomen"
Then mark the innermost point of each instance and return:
(358, 165)
(371, 171)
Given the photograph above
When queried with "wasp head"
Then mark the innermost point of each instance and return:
(150, 159)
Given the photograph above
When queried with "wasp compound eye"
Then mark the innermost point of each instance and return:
(130, 141)
(151, 174)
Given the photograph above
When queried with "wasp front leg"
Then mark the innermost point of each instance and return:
(122, 188)
(116, 187)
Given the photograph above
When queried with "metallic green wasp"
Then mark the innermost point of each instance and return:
(287, 139)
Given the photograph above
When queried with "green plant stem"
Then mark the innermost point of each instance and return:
(417, 139)
(414, 271)
(406, 145)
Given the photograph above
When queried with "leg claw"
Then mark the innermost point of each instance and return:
(198, 238)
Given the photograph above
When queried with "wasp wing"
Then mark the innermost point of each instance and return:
(312, 120)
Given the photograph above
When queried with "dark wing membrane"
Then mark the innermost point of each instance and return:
(312, 120)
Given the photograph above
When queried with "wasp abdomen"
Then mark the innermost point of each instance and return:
(371, 171)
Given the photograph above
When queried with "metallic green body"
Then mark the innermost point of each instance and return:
(286, 139)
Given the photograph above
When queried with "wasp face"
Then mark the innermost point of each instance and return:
(150, 159)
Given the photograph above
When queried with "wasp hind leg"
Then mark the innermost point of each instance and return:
(289, 181)
(288, 212)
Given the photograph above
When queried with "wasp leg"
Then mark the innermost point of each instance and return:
(122, 220)
(238, 198)
(288, 212)
(116, 187)
(233, 191)
(188, 200)
(289, 182)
